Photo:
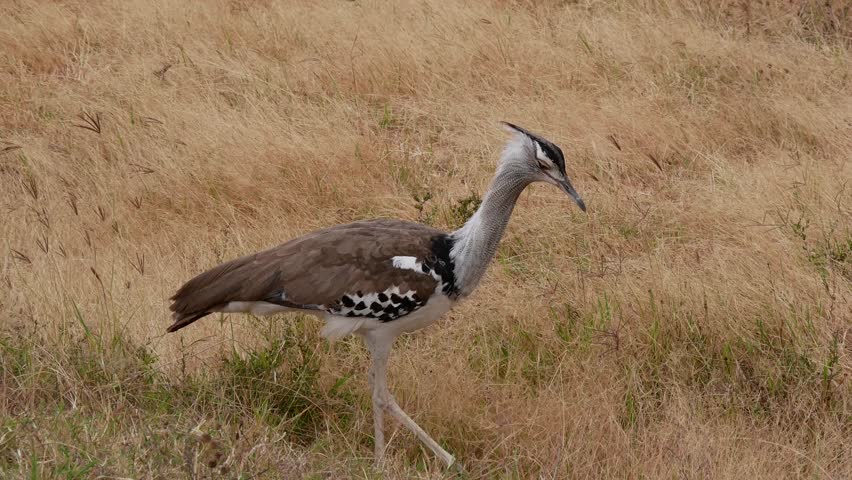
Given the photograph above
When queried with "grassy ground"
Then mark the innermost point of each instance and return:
(696, 323)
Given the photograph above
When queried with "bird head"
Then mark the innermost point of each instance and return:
(539, 160)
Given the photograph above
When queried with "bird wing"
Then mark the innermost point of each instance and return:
(377, 268)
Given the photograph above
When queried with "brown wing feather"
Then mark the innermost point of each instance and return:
(315, 269)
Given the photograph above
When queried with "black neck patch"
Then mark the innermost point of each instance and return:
(442, 264)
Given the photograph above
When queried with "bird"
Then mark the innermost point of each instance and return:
(379, 278)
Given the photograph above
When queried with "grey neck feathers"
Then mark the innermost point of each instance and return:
(475, 243)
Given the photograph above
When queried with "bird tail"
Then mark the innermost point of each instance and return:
(209, 292)
(184, 319)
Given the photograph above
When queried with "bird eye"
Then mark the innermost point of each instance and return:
(542, 158)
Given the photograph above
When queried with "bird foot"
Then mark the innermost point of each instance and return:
(456, 467)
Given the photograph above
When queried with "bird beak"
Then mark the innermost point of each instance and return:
(566, 187)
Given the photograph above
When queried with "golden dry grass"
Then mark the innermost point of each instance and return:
(695, 324)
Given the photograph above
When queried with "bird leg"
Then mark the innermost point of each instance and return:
(383, 400)
(379, 364)
(393, 409)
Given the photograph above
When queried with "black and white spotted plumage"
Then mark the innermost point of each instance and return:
(385, 306)
(392, 303)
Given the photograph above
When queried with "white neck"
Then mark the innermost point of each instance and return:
(475, 243)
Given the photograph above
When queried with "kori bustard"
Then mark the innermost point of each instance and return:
(378, 278)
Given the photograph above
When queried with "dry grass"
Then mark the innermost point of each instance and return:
(696, 323)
